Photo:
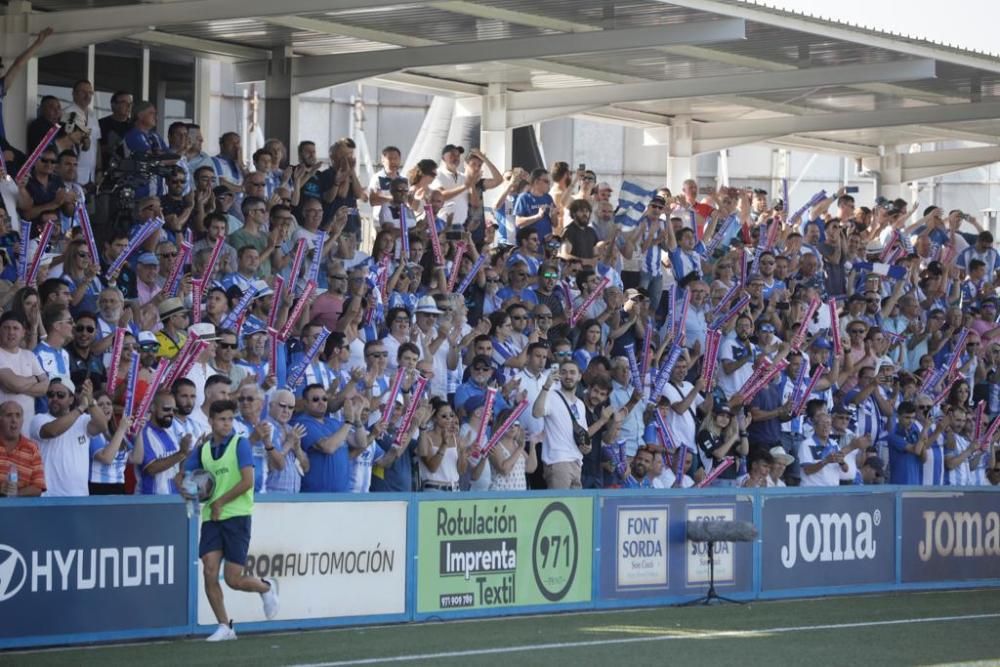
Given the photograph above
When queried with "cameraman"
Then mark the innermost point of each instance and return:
(142, 141)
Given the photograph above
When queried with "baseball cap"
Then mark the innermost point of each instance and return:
(63, 380)
(202, 330)
(148, 258)
(452, 147)
(220, 190)
(766, 327)
(636, 293)
(822, 343)
(147, 338)
(481, 360)
(262, 289)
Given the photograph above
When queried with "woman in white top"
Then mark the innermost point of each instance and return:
(444, 455)
(511, 459)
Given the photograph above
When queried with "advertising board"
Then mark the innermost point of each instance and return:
(330, 560)
(494, 553)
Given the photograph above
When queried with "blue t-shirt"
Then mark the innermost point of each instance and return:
(904, 467)
(398, 476)
(328, 473)
(527, 205)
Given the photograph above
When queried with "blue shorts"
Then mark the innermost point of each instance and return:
(230, 536)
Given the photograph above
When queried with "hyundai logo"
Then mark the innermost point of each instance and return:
(13, 572)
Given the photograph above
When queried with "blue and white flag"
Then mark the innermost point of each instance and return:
(632, 201)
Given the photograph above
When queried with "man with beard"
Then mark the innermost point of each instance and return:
(185, 396)
(161, 450)
(642, 464)
(562, 411)
(603, 429)
(84, 361)
(63, 436)
(737, 356)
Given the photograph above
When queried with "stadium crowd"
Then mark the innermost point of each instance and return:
(504, 330)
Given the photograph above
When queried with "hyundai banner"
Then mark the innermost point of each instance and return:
(950, 536)
(68, 569)
(827, 540)
(330, 560)
(645, 552)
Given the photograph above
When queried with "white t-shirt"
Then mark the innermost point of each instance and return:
(24, 364)
(682, 426)
(66, 458)
(733, 350)
(667, 478)
(86, 160)
(810, 451)
(457, 206)
(558, 445)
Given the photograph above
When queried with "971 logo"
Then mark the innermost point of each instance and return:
(555, 552)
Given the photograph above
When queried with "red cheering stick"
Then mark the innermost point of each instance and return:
(147, 398)
(272, 315)
(300, 256)
(455, 266)
(213, 259)
(397, 381)
(804, 398)
(508, 423)
(601, 286)
(838, 346)
(491, 396)
(432, 231)
(296, 313)
(116, 354)
(36, 261)
(800, 335)
(37, 153)
(404, 428)
(713, 338)
(716, 471)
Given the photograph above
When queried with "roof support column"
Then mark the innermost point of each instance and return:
(680, 154)
(22, 95)
(495, 137)
(281, 106)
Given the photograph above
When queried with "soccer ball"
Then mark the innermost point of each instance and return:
(199, 485)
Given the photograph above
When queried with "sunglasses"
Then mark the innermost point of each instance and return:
(47, 161)
(80, 328)
(285, 406)
(547, 316)
(167, 255)
(228, 346)
(378, 355)
(317, 399)
(564, 354)
(552, 276)
(56, 394)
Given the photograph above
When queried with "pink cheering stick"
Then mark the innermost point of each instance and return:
(147, 398)
(800, 335)
(432, 231)
(944, 392)
(804, 398)
(601, 286)
(185, 353)
(990, 433)
(404, 428)
(145, 232)
(956, 355)
(838, 345)
(647, 354)
(455, 266)
(491, 397)
(716, 471)
(272, 339)
(507, 424)
(713, 338)
(88, 233)
(296, 313)
(397, 382)
(272, 315)
(762, 381)
(174, 279)
(977, 421)
(197, 290)
(37, 153)
(116, 354)
(43, 242)
(213, 259)
(297, 261)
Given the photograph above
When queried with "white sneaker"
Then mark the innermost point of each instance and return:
(223, 633)
(270, 599)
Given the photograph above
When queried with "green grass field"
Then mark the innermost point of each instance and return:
(903, 629)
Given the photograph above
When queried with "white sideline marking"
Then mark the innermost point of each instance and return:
(695, 634)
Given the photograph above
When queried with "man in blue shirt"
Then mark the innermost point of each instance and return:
(906, 444)
(533, 205)
(326, 443)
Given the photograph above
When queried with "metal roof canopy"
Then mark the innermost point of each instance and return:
(722, 72)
